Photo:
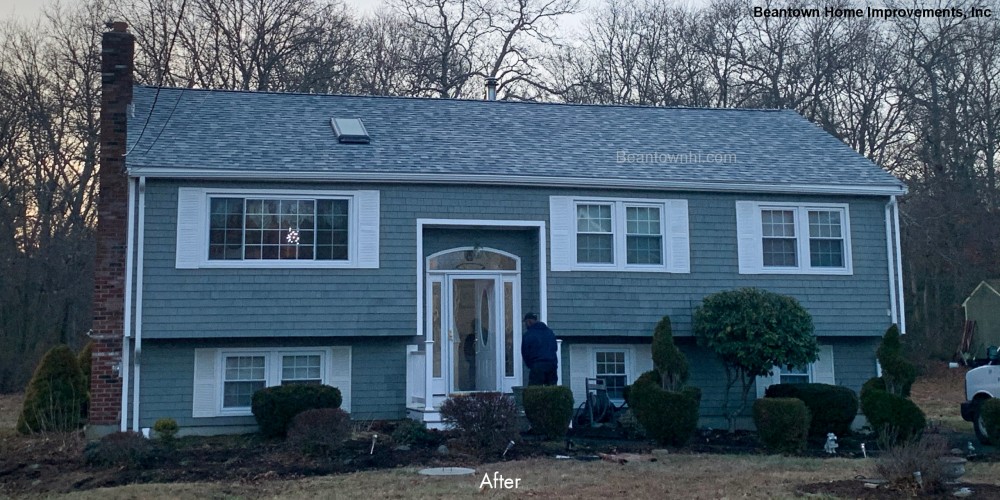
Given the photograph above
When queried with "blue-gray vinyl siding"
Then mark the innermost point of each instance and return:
(245, 303)
(378, 377)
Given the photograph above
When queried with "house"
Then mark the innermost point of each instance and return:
(982, 314)
(389, 246)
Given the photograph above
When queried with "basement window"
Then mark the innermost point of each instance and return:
(350, 130)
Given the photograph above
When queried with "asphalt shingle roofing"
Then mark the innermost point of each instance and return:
(211, 133)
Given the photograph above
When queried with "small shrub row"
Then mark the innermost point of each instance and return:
(320, 431)
(549, 409)
(485, 421)
(782, 424)
(120, 449)
(275, 407)
(411, 432)
(832, 407)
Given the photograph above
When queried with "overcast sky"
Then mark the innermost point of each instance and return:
(30, 9)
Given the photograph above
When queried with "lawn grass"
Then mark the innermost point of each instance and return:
(672, 476)
(939, 392)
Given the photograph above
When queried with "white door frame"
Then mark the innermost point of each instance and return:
(421, 279)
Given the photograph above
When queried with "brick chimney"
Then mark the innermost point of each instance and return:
(118, 47)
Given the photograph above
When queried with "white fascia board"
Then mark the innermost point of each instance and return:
(505, 180)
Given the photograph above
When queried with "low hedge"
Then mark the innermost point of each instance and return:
(668, 417)
(832, 408)
(275, 407)
(485, 421)
(782, 423)
(549, 409)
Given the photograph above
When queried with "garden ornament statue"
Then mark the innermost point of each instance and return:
(831, 443)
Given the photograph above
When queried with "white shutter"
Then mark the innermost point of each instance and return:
(822, 368)
(643, 356)
(748, 237)
(367, 205)
(562, 220)
(677, 236)
(579, 370)
(205, 402)
(340, 374)
(191, 245)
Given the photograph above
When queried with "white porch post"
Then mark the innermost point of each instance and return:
(559, 362)
(428, 373)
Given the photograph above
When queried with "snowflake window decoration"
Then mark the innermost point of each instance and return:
(293, 237)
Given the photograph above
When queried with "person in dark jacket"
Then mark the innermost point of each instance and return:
(538, 349)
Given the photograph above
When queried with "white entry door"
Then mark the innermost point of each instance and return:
(472, 323)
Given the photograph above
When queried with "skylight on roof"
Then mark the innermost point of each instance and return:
(350, 130)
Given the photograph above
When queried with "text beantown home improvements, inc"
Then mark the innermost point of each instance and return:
(871, 12)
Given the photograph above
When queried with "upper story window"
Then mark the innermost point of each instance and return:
(777, 238)
(619, 234)
(277, 228)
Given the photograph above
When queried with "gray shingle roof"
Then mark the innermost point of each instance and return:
(210, 133)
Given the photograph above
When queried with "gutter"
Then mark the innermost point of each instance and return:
(890, 259)
(127, 327)
(138, 300)
(899, 267)
(508, 180)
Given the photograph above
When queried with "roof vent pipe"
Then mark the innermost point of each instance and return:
(491, 88)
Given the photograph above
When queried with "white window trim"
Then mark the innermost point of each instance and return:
(629, 353)
(355, 226)
(826, 356)
(272, 371)
(801, 211)
(809, 373)
(672, 259)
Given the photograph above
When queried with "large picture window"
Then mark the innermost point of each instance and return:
(278, 229)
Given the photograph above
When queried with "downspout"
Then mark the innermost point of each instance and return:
(127, 327)
(138, 300)
(890, 258)
(899, 268)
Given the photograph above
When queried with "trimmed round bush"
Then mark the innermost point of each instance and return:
(549, 409)
(831, 407)
(85, 359)
(485, 421)
(668, 417)
(119, 449)
(894, 417)
(782, 424)
(166, 429)
(989, 412)
(321, 431)
(650, 377)
(274, 407)
(56, 394)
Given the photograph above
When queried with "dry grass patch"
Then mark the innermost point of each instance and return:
(939, 392)
(673, 476)
(10, 408)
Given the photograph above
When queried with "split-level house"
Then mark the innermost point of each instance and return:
(390, 246)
